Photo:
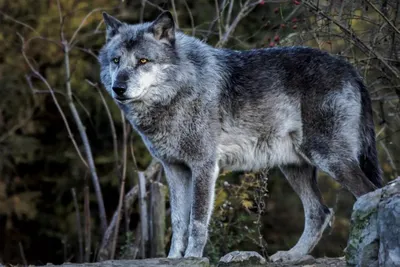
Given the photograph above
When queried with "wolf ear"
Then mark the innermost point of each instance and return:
(112, 25)
(163, 27)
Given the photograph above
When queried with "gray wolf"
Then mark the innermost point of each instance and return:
(200, 109)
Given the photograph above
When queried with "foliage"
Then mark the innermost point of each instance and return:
(40, 164)
(238, 208)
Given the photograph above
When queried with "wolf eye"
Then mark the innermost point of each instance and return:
(115, 60)
(143, 60)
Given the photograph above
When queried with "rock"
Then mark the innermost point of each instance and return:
(159, 262)
(329, 262)
(389, 228)
(306, 260)
(250, 259)
(242, 259)
(233, 259)
(375, 229)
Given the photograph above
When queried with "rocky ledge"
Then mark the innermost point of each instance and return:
(233, 259)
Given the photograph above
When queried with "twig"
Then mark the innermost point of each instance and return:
(87, 51)
(16, 127)
(353, 38)
(44, 80)
(176, 13)
(261, 193)
(143, 213)
(138, 241)
(130, 197)
(135, 166)
(21, 251)
(87, 228)
(64, 242)
(142, 7)
(81, 25)
(389, 158)
(154, 5)
(191, 17)
(383, 16)
(122, 190)
(247, 7)
(111, 122)
(229, 15)
(78, 225)
(82, 130)
(19, 22)
(85, 140)
(393, 47)
(157, 216)
(218, 19)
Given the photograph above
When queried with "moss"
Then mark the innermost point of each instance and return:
(359, 223)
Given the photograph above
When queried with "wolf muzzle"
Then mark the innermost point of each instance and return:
(120, 84)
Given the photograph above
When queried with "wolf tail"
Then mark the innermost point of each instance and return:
(368, 157)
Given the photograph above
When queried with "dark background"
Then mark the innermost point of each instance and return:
(39, 164)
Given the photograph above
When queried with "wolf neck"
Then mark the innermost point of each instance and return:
(203, 60)
(212, 65)
(200, 89)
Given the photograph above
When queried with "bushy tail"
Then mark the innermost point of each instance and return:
(368, 157)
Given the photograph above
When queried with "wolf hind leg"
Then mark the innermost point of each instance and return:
(303, 180)
(350, 175)
(346, 170)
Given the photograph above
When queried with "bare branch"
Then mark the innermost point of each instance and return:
(19, 22)
(191, 17)
(122, 190)
(389, 158)
(142, 7)
(81, 127)
(176, 13)
(105, 249)
(22, 253)
(143, 213)
(353, 38)
(247, 7)
(82, 23)
(78, 225)
(87, 223)
(40, 76)
(218, 19)
(383, 16)
(85, 140)
(154, 5)
(229, 15)
(111, 121)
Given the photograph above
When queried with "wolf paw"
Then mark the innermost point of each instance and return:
(193, 254)
(285, 256)
(175, 255)
(292, 256)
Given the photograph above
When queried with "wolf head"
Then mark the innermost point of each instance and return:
(139, 61)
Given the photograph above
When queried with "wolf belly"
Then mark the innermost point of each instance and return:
(244, 153)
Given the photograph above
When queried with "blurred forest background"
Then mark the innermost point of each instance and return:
(66, 151)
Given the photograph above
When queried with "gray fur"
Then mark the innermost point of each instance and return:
(200, 109)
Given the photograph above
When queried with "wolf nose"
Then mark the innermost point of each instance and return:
(119, 89)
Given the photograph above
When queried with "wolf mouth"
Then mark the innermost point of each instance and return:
(124, 100)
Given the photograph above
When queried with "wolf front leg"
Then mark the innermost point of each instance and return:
(204, 178)
(179, 183)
